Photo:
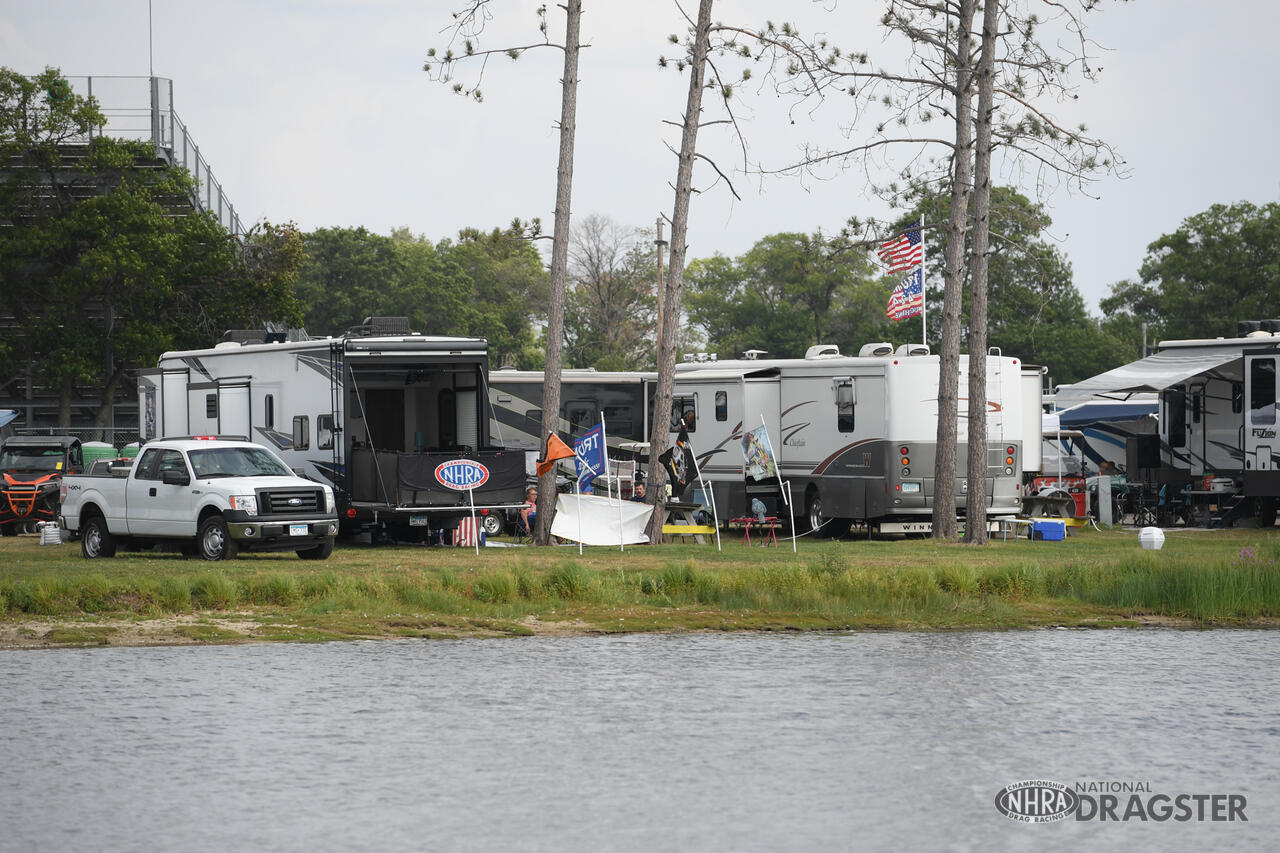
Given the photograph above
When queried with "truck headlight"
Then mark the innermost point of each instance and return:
(248, 504)
(329, 505)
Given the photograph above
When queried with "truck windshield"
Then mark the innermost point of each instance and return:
(237, 462)
(30, 459)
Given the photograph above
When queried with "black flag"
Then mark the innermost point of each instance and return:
(678, 461)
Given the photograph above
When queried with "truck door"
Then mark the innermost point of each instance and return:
(1259, 412)
(153, 507)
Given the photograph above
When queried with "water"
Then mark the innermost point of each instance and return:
(706, 742)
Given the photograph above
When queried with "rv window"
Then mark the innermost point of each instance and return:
(722, 406)
(1262, 391)
(269, 412)
(1196, 400)
(683, 413)
(617, 420)
(534, 419)
(1175, 414)
(301, 432)
(324, 432)
(844, 405)
(581, 415)
(211, 406)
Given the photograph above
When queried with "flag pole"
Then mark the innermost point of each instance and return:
(786, 492)
(604, 441)
(924, 291)
(475, 528)
(715, 516)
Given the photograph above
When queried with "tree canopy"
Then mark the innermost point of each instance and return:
(788, 292)
(1220, 266)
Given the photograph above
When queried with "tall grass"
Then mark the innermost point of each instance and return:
(829, 587)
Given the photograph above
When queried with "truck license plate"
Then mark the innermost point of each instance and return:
(299, 529)
(417, 521)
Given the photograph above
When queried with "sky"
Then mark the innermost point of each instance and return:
(319, 113)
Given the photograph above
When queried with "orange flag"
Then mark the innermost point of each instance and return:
(556, 450)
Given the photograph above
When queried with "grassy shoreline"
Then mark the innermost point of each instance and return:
(50, 596)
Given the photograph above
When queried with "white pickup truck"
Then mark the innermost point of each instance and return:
(210, 495)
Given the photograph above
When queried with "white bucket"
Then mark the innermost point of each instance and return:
(1151, 538)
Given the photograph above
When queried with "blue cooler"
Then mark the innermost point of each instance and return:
(1049, 531)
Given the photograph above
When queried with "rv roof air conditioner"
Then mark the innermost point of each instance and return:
(822, 351)
(753, 354)
(913, 349)
(878, 350)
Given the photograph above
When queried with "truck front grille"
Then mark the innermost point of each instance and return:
(290, 501)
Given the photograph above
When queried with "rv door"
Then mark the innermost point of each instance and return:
(1259, 412)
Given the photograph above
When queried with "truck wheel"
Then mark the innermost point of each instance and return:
(320, 552)
(96, 540)
(215, 540)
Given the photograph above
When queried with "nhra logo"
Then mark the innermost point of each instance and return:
(1036, 801)
(461, 474)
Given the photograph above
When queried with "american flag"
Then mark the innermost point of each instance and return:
(904, 251)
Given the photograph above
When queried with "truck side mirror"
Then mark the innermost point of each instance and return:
(175, 478)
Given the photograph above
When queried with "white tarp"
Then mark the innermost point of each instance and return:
(600, 520)
(1153, 373)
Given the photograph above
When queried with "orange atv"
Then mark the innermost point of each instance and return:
(31, 469)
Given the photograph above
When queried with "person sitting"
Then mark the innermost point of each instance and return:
(529, 513)
(638, 494)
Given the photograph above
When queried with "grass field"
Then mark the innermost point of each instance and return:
(51, 596)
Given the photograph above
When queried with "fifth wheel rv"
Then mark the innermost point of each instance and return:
(1217, 443)
(398, 422)
(855, 437)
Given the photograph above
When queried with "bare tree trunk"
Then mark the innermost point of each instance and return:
(559, 263)
(658, 436)
(944, 502)
(976, 515)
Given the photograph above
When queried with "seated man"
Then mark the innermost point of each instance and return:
(638, 494)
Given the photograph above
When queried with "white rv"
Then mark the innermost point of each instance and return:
(855, 437)
(625, 399)
(1217, 416)
(377, 413)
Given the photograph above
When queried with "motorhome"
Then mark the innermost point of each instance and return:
(855, 437)
(624, 398)
(397, 422)
(1217, 426)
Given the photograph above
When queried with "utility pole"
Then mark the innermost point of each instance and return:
(660, 243)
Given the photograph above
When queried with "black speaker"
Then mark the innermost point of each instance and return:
(1141, 451)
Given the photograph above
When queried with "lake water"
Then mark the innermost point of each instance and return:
(704, 742)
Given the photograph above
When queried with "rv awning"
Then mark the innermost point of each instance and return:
(1153, 373)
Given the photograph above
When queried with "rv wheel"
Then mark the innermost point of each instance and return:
(1264, 510)
(492, 524)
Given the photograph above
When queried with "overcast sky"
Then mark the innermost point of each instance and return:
(319, 113)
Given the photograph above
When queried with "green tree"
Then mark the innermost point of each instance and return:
(509, 290)
(1034, 310)
(106, 264)
(611, 321)
(348, 274)
(788, 292)
(1220, 266)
